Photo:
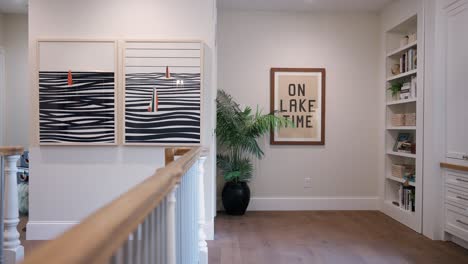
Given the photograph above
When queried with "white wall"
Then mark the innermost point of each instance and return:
(2, 83)
(435, 125)
(347, 45)
(2, 25)
(17, 82)
(68, 183)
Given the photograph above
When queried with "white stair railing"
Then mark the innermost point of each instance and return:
(156, 222)
(11, 250)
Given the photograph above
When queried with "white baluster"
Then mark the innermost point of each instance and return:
(164, 232)
(179, 219)
(202, 245)
(195, 218)
(144, 241)
(152, 258)
(159, 240)
(13, 250)
(2, 203)
(128, 251)
(135, 247)
(171, 227)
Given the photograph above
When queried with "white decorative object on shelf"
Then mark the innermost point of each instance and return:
(404, 41)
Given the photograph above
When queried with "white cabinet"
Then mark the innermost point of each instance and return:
(456, 204)
(457, 79)
(453, 71)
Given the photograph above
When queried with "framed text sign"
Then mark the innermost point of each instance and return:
(299, 95)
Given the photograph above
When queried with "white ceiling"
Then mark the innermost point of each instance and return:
(14, 6)
(304, 5)
(21, 6)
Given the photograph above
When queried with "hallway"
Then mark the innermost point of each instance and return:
(325, 237)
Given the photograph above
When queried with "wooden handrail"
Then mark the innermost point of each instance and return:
(101, 234)
(170, 153)
(451, 166)
(10, 151)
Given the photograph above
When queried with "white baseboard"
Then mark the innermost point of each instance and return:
(313, 203)
(458, 241)
(45, 230)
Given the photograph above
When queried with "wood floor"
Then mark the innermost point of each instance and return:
(324, 237)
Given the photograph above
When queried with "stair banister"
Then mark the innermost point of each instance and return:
(155, 222)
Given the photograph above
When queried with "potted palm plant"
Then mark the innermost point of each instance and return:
(237, 132)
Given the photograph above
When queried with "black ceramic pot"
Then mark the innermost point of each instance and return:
(236, 197)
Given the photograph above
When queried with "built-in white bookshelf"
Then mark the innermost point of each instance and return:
(405, 54)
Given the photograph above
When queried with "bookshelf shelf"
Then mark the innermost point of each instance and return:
(394, 187)
(402, 75)
(400, 180)
(403, 101)
(401, 128)
(389, 203)
(402, 154)
(403, 49)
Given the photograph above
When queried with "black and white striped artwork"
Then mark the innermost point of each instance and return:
(162, 93)
(76, 107)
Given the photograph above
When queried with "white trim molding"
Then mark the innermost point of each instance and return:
(313, 203)
(47, 230)
(2, 97)
(366, 203)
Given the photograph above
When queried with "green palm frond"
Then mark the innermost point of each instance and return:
(237, 132)
(233, 169)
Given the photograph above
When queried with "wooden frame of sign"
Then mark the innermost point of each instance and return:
(299, 95)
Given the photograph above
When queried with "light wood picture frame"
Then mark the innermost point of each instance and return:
(77, 82)
(163, 92)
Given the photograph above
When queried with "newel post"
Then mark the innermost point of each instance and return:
(202, 245)
(13, 251)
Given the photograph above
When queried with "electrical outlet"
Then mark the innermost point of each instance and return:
(307, 183)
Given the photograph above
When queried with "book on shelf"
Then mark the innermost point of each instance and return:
(407, 197)
(405, 91)
(413, 87)
(408, 61)
(403, 143)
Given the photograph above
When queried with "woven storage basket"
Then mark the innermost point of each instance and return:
(398, 170)
(410, 119)
(398, 120)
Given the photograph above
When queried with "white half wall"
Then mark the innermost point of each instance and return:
(344, 172)
(17, 94)
(68, 183)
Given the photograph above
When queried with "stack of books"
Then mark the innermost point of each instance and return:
(408, 89)
(408, 61)
(407, 197)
